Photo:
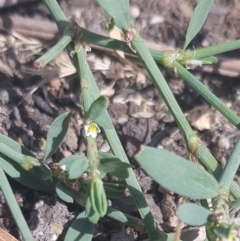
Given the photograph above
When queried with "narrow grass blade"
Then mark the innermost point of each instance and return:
(122, 18)
(14, 208)
(206, 94)
(116, 146)
(198, 18)
(216, 49)
(15, 145)
(231, 168)
(31, 179)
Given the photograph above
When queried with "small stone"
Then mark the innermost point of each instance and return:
(55, 83)
(156, 19)
(135, 11)
(71, 139)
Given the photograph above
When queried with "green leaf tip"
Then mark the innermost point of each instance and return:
(56, 134)
(97, 108)
(63, 192)
(193, 214)
(198, 18)
(119, 11)
(81, 227)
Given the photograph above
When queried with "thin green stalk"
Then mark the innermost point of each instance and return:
(206, 94)
(160, 83)
(106, 42)
(116, 146)
(14, 208)
(55, 50)
(210, 163)
(57, 14)
(192, 141)
(231, 168)
(214, 50)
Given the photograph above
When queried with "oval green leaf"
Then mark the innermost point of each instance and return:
(114, 167)
(119, 11)
(46, 172)
(97, 108)
(114, 190)
(78, 168)
(106, 158)
(63, 192)
(177, 174)
(198, 18)
(81, 229)
(56, 134)
(93, 215)
(76, 165)
(193, 214)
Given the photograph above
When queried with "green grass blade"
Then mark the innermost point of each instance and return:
(55, 50)
(207, 94)
(15, 145)
(57, 13)
(198, 18)
(123, 18)
(116, 146)
(14, 208)
(231, 168)
(214, 50)
(31, 179)
(162, 86)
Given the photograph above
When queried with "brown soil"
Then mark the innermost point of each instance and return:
(138, 112)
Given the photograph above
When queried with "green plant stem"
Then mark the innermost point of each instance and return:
(202, 153)
(57, 14)
(160, 83)
(214, 50)
(130, 221)
(210, 163)
(88, 83)
(55, 50)
(231, 168)
(207, 94)
(14, 208)
(106, 42)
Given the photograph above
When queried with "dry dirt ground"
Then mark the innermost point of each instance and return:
(30, 100)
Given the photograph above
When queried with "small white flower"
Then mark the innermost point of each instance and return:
(63, 167)
(92, 130)
(192, 63)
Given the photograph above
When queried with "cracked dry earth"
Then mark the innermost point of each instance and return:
(30, 100)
